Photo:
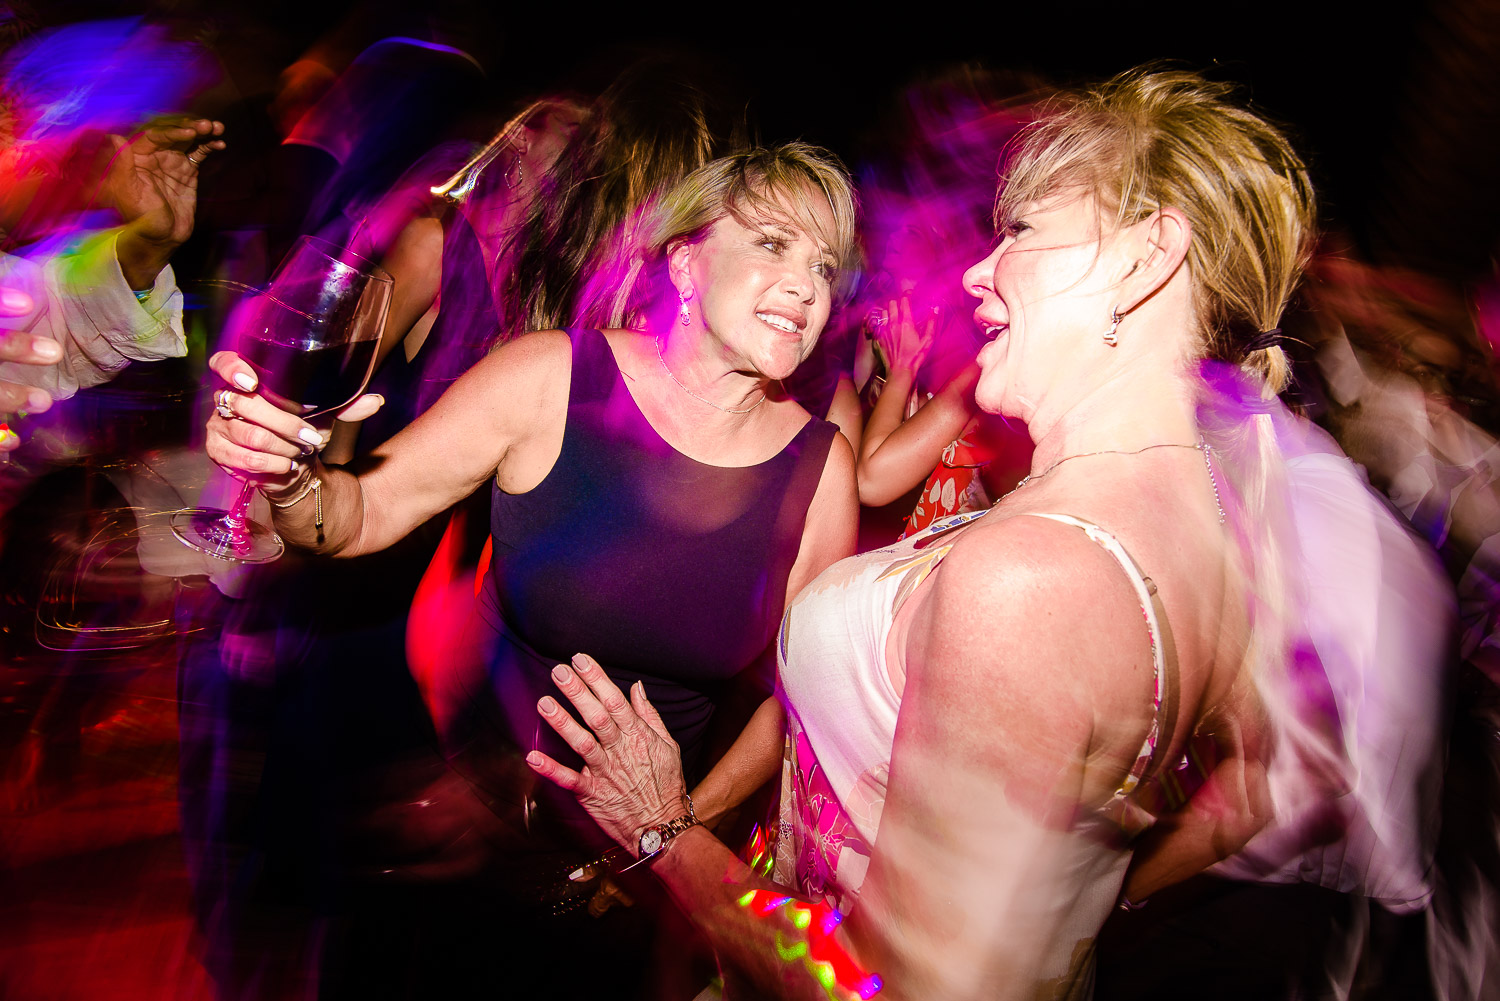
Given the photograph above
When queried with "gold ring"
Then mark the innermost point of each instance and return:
(195, 159)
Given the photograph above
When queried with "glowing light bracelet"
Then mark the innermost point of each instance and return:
(813, 943)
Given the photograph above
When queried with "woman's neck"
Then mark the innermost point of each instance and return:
(694, 364)
(1130, 412)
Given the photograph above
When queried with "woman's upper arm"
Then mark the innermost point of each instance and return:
(832, 523)
(846, 413)
(504, 410)
(969, 881)
(415, 263)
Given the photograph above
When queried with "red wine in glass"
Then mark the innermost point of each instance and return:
(310, 336)
(308, 381)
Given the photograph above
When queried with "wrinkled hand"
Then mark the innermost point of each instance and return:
(261, 439)
(153, 177)
(632, 774)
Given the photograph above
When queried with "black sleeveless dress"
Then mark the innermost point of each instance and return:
(664, 569)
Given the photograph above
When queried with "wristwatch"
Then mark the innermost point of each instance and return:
(655, 839)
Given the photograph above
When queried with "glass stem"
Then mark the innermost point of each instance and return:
(234, 518)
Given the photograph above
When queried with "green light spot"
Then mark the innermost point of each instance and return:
(789, 952)
(745, 900)
(803, 919)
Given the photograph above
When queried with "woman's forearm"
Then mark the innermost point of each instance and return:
(898, 455)
(750, 763)
(760, 930)
(328, 494)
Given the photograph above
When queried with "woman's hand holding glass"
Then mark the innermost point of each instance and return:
(250, 435)
(632, 774)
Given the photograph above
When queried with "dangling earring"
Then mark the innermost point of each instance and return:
(683, 311)
(1110, 336)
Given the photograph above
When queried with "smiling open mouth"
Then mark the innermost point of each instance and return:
(779, 322)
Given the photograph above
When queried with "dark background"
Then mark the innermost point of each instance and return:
(1398, 112)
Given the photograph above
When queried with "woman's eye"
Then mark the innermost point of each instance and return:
(1013, 229)
(774, 244)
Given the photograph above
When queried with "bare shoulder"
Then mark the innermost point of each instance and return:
(836, 495)
(839, 466)
(416, 255)
(422, 236)
(514, 384)
(1029, 621)
(1029, 565)
(832, 524)
(541, 356)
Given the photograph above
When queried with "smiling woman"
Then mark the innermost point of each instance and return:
(655, 500)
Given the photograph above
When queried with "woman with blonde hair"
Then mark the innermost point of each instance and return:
(655, 499)
(975, 714)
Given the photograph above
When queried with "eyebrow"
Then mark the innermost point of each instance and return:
(772, 227)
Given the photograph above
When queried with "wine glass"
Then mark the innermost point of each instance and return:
(310, 335)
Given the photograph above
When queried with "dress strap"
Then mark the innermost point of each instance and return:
(1164, 668)
(595, 370)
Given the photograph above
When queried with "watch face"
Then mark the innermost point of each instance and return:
(650, 842)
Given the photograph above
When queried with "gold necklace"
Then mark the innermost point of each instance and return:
(727, 410)
(1202, 446)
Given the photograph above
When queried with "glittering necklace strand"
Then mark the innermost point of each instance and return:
(1202, 446)
(727, 410)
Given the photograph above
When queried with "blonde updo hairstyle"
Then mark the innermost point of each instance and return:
(755, 183)
(1152, 137)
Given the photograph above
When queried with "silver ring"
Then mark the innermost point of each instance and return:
(196, 160)
(221, 404)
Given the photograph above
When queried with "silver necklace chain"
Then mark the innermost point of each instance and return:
(1202, 446)
(727, 410)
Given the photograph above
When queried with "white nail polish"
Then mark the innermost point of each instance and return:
(244, 381)
(311, 437)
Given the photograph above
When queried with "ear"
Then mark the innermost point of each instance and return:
(1160, 245)
(679, 256)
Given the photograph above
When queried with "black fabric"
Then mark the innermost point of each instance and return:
(662, 568)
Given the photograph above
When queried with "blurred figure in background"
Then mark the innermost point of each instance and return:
(930, 194)
(1400, 370)
(71, 165)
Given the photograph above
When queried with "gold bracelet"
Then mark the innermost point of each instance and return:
(314, 487)
(311, 485)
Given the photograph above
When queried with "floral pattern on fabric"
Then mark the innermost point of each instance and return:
(951, 487)
(823, 851)
(924, 560)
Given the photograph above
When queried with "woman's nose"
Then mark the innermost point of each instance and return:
(979, 279)
(801, 287)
